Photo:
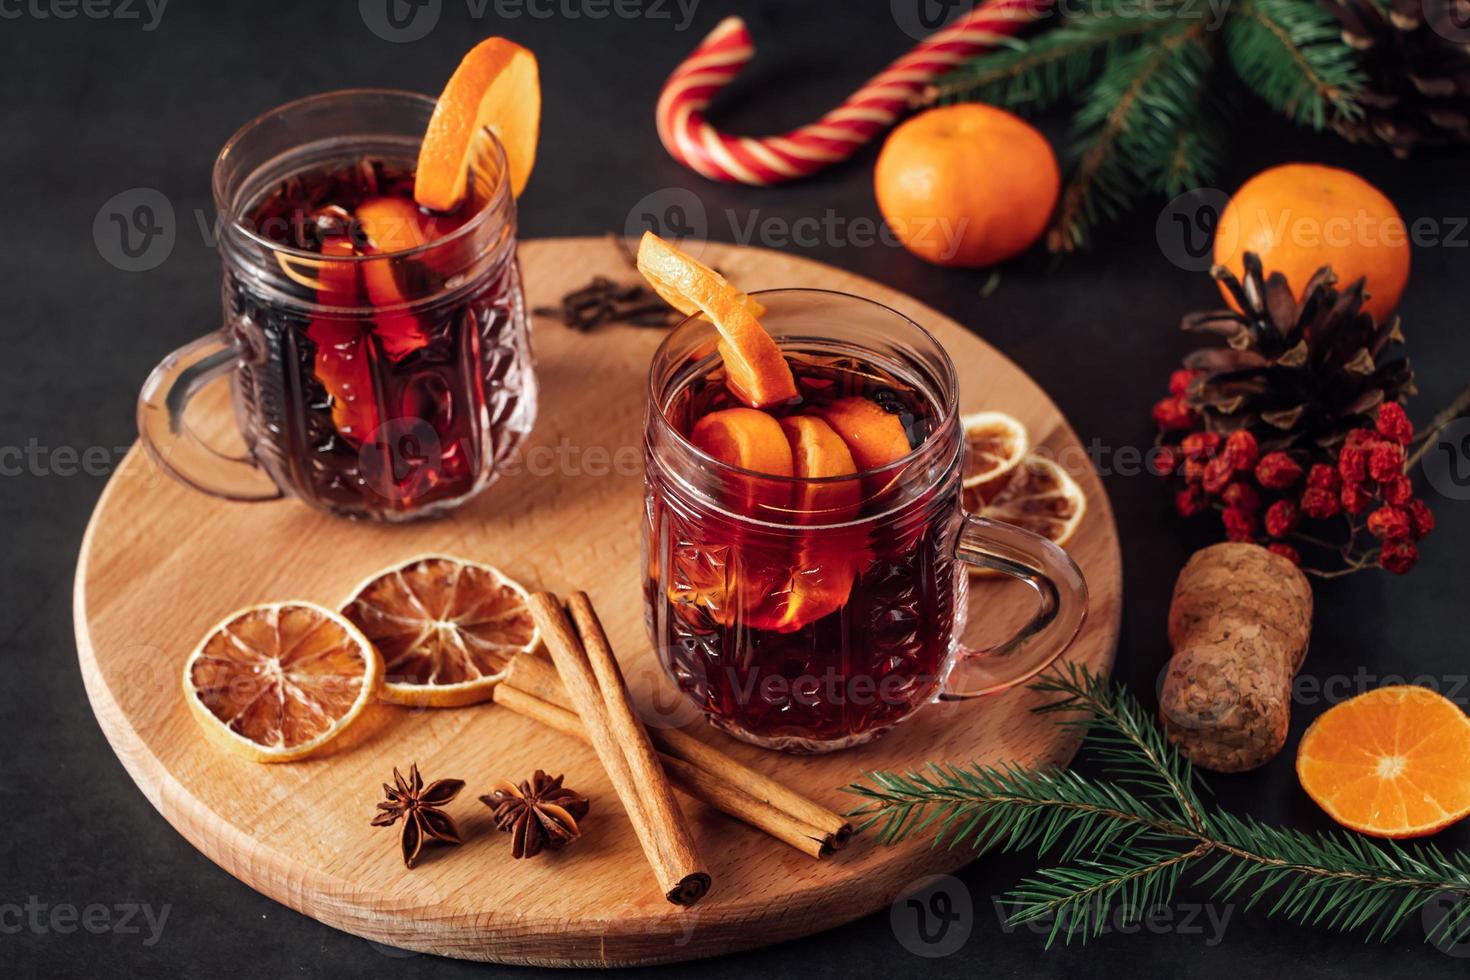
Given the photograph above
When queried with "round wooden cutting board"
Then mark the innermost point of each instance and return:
(161, 564)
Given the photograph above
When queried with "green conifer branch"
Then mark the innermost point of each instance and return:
(1290, 53)
(1126, 843)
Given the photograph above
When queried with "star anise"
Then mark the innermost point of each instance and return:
(539, 813)
(419, 806)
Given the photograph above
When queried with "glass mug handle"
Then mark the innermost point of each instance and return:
(1059, 586)
(173, 445)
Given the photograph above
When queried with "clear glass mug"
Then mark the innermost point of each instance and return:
(378, 411)
(797, 626)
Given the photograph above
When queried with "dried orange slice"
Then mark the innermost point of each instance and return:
(447, 629)
(1039, 496)
(875, 436)
(995, 444)
(755, 369)
(1389, 763)
(497, 87)
(277, 682)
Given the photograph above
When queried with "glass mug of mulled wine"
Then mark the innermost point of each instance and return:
(813, 614)
(379, 354)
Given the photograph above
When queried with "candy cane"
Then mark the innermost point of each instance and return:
(837, 135)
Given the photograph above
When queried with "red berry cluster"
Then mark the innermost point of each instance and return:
(1264, 497)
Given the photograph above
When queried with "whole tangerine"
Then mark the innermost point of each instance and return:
(1299, 217)
(966, 185)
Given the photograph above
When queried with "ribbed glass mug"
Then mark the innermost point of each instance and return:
(362, 409)
(798, 626)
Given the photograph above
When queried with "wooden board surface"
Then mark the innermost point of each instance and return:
(161, 564)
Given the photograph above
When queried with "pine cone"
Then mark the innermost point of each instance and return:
(1417, 57)
(1296, 372)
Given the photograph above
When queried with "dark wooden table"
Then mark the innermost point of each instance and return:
(92, 881)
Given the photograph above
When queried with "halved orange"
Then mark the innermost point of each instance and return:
(1389, 763)
(497, 87)
(1040, 496)
(874, 436)
(755, 369)
(995, 444)
(447, 629)
(276, 682)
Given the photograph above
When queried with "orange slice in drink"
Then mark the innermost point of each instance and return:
(392, 224)
(495, 87)
(818, 452)
(343, 361)
(1039, 496)
(995, 444)
(277, 682)
(1390, 763)
(755, 369)
(447, 629)
(874, 436)
(744, 437)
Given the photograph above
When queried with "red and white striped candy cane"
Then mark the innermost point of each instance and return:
(837, 135)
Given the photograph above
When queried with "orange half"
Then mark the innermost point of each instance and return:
(1389, 763)
(755, 369)
(497, 87)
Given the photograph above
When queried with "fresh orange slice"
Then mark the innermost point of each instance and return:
(392, 224)
(744, 437)
(1389, 763)
(495, 87)
(995, 444)
(1040, 497)
(447, 629)
(875, 437)
(755, 369)
(818, 452)
(277, 682)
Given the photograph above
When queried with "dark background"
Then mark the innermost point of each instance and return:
(93, 107)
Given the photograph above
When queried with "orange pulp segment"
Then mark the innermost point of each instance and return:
(1389, 763)
(755, 369)
(496, 87)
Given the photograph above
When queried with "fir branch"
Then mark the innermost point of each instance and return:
(1125, 126)
(1118, 848)
(1038, 73)
(1290, 53)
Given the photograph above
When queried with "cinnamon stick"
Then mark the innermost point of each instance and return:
(622, 746)
(536, 675)
(686, 777)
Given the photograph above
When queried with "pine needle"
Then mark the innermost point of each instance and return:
(1125, 843)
